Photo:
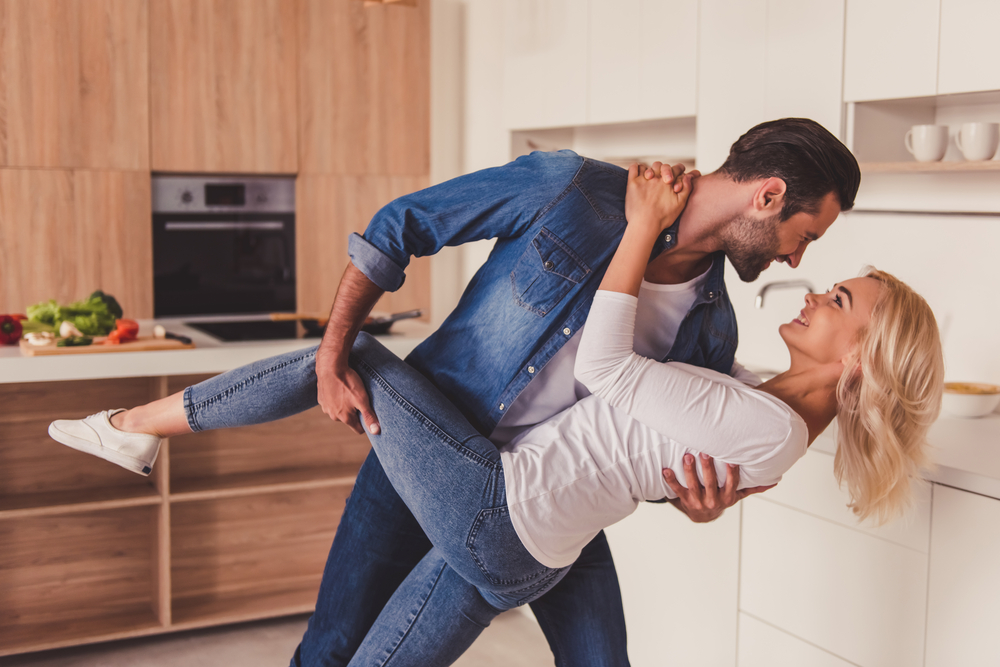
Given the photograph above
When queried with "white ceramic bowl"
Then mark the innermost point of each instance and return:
(970, 399)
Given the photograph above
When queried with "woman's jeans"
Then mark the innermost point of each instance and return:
(387, 597)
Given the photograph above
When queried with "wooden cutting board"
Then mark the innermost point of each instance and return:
(141, 344)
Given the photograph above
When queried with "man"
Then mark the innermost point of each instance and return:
(502, 355)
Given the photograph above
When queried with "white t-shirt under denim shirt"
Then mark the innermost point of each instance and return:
(592, 464)
(659, 314)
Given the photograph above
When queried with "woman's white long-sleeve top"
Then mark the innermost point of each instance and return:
(592, 464)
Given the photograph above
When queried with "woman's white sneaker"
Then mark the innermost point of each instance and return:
(95, 435)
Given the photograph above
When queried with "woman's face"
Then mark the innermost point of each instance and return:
(826, 329)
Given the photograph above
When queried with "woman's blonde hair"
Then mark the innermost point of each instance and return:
(887, 399)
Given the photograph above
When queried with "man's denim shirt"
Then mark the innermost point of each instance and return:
(557, 218)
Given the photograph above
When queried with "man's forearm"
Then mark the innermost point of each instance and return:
(356, 296)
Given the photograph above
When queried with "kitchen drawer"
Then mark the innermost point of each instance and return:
(860, 597)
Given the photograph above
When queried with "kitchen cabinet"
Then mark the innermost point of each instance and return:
(545, 78)
(808, 569)
(679, 584)
(223, 85)
(364, 88)
(964, 596)
(763, 645)
(66, 233)
(643, 60)
(74, 84)
(229, 527)
(968, 52)
(328, 209)
(762, 60)
(891, 49)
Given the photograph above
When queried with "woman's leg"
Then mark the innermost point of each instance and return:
(450, 477)
(431, 619)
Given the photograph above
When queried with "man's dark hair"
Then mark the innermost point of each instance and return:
(805, 155)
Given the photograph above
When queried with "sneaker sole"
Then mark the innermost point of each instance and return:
(87, 447)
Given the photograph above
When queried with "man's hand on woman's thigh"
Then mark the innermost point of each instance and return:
(707, 503)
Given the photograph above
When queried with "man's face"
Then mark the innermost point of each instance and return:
(752, 243)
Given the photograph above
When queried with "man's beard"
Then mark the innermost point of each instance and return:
(751, 244)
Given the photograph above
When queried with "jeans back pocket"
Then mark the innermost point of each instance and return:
(545, 273)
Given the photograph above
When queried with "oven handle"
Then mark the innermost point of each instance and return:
(213, 225)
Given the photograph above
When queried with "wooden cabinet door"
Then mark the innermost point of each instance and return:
(545, 63)
(963, 607)
(632, 77)
(890, 49)
(74, 84)
(223, 85)
(328, 209)
(969, 58)
(67, 233)
(364, 88)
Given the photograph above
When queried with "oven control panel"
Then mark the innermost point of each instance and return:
(223, 194)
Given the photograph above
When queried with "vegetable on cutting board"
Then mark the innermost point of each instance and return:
(95, 316)
(125, 330)
(74, 341)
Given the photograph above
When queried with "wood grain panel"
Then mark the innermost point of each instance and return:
(38, 259)
(329, 208)
(64, 234)
(74, 91)
(364, 88)
(55, 570)
(33, 463)
(113, 223)
(240, 548)
(223, 85)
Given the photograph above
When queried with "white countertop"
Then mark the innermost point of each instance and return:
(209, 356)
(966, 451)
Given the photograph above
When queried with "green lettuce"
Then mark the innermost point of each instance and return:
(93, 317)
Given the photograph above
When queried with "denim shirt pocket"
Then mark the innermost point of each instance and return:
(546, 271)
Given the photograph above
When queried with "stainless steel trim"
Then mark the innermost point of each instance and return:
(212, 225)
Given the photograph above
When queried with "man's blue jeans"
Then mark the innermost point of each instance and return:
(379, 543)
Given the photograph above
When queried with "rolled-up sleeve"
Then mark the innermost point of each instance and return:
(375, 264)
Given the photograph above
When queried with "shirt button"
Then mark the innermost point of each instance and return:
(567, 331)
(667, 238)
(711, 295)
(501, 406)
(531, 369)
(548, 265)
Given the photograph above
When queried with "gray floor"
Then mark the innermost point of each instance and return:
(512, 639)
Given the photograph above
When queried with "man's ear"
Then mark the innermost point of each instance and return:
(769, 196)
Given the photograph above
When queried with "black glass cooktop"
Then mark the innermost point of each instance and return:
(248, 330)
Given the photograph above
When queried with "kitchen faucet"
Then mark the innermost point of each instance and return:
(781, 284)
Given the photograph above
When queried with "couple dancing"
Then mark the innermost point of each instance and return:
(513, 435)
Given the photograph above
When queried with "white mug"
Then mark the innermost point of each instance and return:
(978, 141)
(927, 143)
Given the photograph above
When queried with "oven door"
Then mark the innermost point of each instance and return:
(223, 263)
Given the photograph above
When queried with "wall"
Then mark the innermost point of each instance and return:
(949, 259)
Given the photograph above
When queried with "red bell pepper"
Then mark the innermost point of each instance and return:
(10, 329)
(125, 330)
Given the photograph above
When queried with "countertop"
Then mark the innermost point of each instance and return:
(209, 356)
(966, 451)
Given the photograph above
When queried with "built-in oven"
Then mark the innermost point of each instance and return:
(224, 253)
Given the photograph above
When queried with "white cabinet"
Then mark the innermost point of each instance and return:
(807, 568)
(763, 645)
(764, 59)
(970, 52)
(964, 598)
(891, 49)
(643, 59)
(803, 74)
(545, 63)
(731, 48)
(679, 585)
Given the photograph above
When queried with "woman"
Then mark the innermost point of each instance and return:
(506, 526)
